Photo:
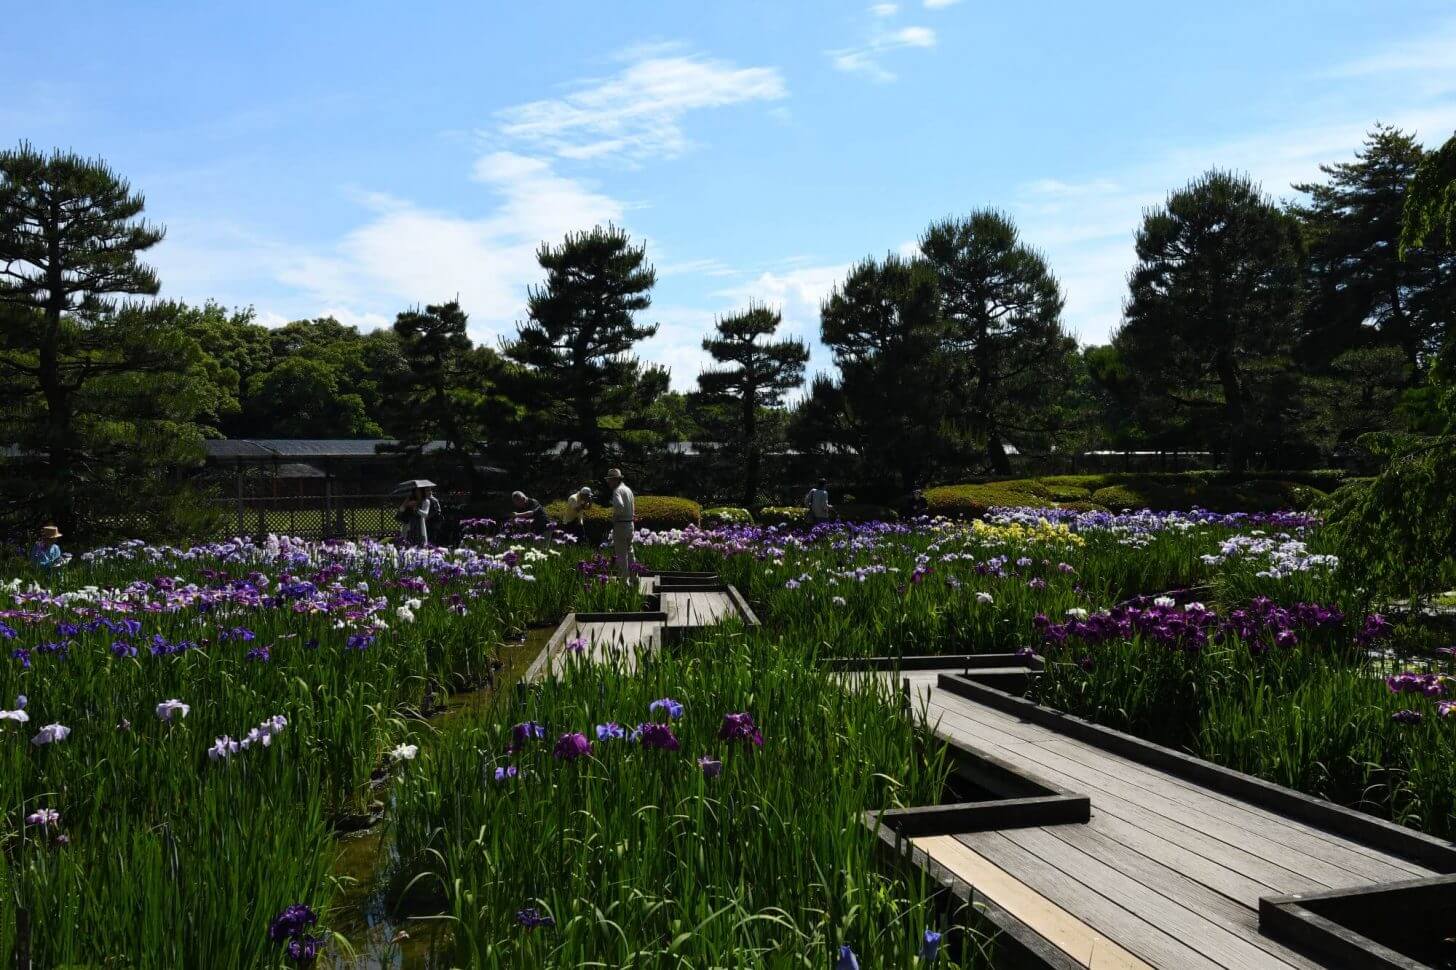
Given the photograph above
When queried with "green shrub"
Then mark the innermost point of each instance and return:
(1117, 498)
(969, 501)
(727, 515)
(654, 512)
(780, 514)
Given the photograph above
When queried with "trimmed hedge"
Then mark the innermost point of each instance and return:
(1217, 491)
(727, 515)
(655, 512)
(864, 512)
(782, 514)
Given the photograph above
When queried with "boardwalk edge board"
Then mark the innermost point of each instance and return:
(1417, 847)
(1016, 945)
(943, 661)
(1316, 922)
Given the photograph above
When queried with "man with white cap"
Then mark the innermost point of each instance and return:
(624, 513)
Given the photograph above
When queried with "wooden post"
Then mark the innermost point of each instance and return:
(238, 477)
(324, 528)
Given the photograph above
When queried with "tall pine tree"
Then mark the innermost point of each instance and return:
(1211, 316)
(580, 331)
(99, 394)
(1362, 292)
(455, 392)
(1002, 308)
(754, 373)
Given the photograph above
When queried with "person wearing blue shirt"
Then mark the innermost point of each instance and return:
(46, 554)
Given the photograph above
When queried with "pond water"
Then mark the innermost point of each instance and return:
(382, 938)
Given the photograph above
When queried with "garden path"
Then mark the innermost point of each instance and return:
(682, 601)
(1166, 873)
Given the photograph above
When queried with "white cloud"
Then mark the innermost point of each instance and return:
(866, 59)
(884, 9)
(637, 114)
(940, 4)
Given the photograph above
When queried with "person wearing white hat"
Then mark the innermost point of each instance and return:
(624, 515)
(46, 554)
(576, 505)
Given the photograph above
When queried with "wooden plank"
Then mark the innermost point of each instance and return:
(1053, 923)
(1160, 801)
(1113, 920)
(1236, 920)
(1327, 847)
(1351, 856)
(1174, 830)
(1203, 935)
(1235, 884)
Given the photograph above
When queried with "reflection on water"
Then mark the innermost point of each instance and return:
(380, 938)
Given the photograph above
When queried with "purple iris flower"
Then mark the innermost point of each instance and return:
(506, 772)
(291, 923)
(121, 648)
(711, 766)
(530, 917)
(523, 732)
(673, 708)
(611, 731)
(930, 946)
(359, 641)
(258, 655)
(23, 655)
(304, 949)
(847, 959)
(655, 735)
(571, 746)
(1406, 716)
(740, 727)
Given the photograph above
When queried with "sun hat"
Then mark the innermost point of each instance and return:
(50, 532)
(614, 473)
(585, 491)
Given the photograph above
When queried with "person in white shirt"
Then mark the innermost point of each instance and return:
(624, 514)
(817, 501)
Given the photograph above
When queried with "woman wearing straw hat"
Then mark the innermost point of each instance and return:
(46, 554)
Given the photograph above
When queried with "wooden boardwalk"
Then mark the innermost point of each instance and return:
(1166, 873)
(684, 602)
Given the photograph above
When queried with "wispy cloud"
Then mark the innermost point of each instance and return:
(637, 114)
(939, 4)
(866, 59)
(885, 9)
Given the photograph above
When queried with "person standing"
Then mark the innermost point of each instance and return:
(624, 515)
(817, 501)
(46, 553)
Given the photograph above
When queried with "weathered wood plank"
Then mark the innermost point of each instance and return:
(1237, 942)
(1161, 799)
(1059, 927)
(1173, 830)
(1111, 919)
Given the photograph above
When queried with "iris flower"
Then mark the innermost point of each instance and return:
(172, 709)
(51, 734)
(571, 746)
(673, 708)
(930, 946)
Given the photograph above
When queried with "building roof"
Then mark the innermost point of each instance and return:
(273, 449)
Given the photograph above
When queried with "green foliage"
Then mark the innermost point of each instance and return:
(753, 373)
(1216, 491)
(726, 515)
(579, 335)
(864, 512)
(1010, 360)
(654, 512)
(1430, 209)
(1364, 288)
(970, 501)
(98, 396)
(781, 514)
(1210, 320)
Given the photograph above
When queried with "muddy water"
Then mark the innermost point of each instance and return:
(380, 938)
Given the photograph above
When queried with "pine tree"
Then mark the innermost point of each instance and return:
(454, 391)
(581, 331)
(1211, 316)
(1002, 308)
(756, 373)
(98, 393)
(1362, 292)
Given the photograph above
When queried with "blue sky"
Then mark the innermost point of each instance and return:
(354, 159)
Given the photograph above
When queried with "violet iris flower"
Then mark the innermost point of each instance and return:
(711, 766)
(571, 746)
(611, 731)
(847, 958)
(1406, 716)
(654, 735)
(673, 708)
(930, 946)
(172, 709)
(51, 734)
(740, 727)
(530, 917)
